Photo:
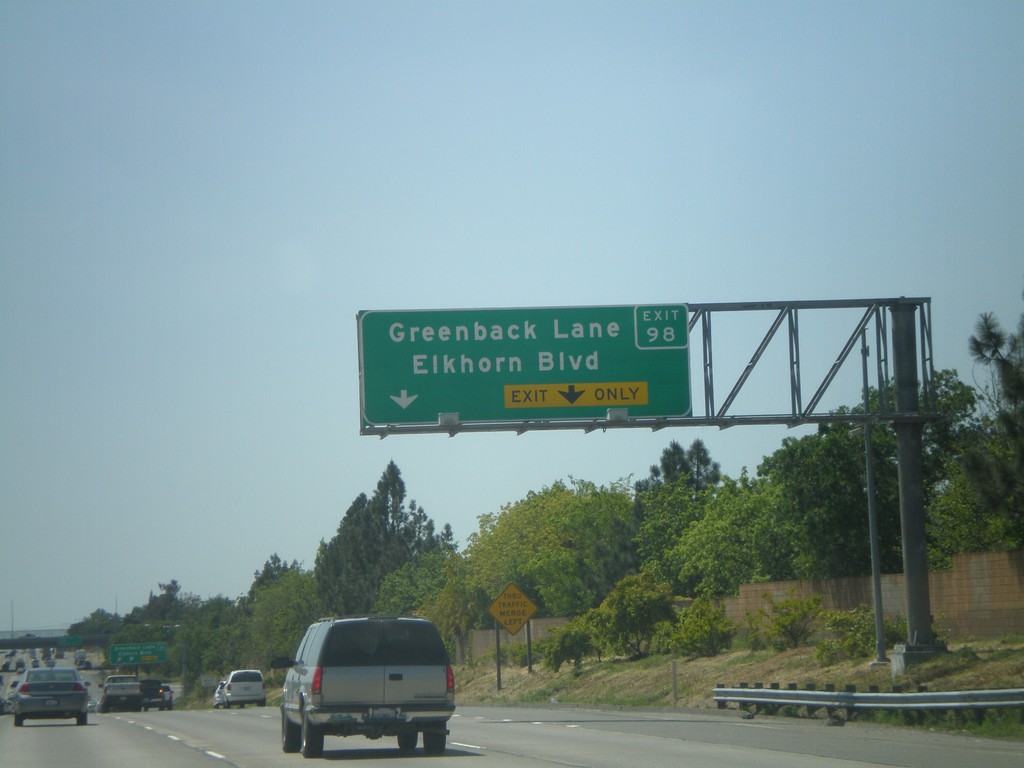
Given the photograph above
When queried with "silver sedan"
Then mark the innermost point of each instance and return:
(50, 694)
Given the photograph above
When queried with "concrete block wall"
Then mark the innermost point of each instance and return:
(981, 596)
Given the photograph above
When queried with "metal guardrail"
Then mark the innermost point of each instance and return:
(772, 698)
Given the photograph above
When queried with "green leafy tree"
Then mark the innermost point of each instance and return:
(459, 605)
(411, 587)
(273, 570)
(669, 510)
(740, 538)
(282, 608)
(99, 622)
(692, 466)
(377, 535)
(821, 494)
(629, 616)
(702, 630)
(571, 642)
(792, 621)
(213, 638)
(330, 564)
(667, 502)
(564, 546)
(163, 607)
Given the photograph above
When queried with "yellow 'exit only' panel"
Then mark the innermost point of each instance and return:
(611, 394)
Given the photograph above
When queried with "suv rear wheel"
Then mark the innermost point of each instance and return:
(407, 740)
(312, 739)
(291, 735)
(434, 742)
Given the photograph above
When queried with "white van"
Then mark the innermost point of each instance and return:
(245, 686)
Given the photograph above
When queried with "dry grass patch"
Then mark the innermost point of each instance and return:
(649, 682)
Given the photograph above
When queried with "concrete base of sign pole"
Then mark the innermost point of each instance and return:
(905, 655)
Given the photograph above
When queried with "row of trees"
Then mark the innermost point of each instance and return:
(685, 530)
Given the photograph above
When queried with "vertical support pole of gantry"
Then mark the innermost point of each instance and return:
(909, 450)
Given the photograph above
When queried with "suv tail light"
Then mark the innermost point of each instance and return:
(449, 679)
(318, 680)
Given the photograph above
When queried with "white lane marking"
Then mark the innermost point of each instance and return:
(215, 754)
(467, 746)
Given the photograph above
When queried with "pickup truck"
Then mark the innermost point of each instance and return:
(121, 692)
(155, 694)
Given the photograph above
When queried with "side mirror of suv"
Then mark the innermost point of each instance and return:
(282, 662)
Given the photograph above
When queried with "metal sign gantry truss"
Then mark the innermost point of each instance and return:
(874, 318)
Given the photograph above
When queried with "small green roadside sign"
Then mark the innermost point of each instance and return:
(443, 368)
(138, 653)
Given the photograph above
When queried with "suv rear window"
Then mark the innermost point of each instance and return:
(383, 643)
(247, 677)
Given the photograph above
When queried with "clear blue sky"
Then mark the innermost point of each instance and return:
(196, 198)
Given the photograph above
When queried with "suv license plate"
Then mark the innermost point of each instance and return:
(388, 713)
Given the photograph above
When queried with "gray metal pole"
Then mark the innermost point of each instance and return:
(497, 650)
(869, 472)
(909, 448)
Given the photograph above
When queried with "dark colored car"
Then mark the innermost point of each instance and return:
(51, 694)
(168, 694)
(153, 695)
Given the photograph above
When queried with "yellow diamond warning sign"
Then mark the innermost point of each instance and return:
(512, 609)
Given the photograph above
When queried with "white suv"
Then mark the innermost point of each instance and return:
(245, 686)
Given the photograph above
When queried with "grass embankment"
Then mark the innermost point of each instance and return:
(649, 682)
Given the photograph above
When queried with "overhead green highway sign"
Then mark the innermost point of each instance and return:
(439, 370)
(138, 653)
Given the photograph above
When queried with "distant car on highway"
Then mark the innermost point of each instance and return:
(153, 695)
(218, 695)
(245, 686)
(49, 694)
(168, 693)
(121, 692)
